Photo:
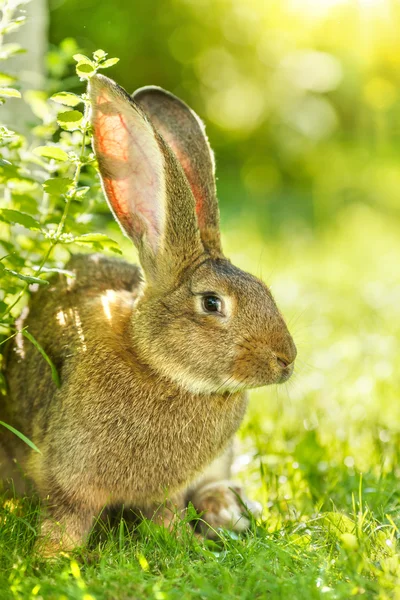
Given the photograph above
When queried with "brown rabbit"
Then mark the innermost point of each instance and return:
(154, 364)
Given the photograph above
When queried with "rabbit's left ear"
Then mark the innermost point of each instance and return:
(144, 183)
(185, 133)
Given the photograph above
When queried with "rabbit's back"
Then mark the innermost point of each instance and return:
(60, 317)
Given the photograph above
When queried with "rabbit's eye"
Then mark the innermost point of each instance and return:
(212, 303)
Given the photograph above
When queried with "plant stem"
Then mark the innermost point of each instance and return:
(68, 201)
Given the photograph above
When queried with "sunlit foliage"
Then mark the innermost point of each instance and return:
(45, 178)
(301, 97)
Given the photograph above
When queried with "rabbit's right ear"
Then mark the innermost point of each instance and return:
(185, 133)
(143, 182)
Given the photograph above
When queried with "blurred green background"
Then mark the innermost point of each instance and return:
(300, 97)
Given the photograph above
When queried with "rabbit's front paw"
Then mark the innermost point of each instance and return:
(223, 504)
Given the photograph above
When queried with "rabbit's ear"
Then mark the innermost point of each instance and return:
(185, 134)
(143, 182)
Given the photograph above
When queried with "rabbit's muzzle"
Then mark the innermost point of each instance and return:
(260, 363)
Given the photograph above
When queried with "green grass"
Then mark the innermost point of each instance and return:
(321, 454)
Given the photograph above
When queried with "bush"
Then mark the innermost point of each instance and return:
(51, 196)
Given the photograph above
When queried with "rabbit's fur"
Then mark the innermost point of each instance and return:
(153, 385)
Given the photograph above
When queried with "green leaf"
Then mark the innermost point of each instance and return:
(81, 192)
(89, 238)
(51, 152)
(21, 436)
(99, 54)
(94, 237)
(54, 372)
(97, 241)
(7, 134)
(19, 218)
(8, 246)
(57, 185)
(108, 63)
(66, 98)
(9, 93)
(84, 69)
(44, 131)
(70, 274)
(39, 105)
(13, 25)
(15, 260)
(6, 79)
(27, 278)
(22, 185)
(8, 50)
(81, 58)
(69, 116)
(115, 249)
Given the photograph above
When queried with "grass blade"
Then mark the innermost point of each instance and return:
(21, 436)
(54, 372)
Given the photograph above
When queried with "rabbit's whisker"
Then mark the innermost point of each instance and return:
(293, 320)
(223, 384)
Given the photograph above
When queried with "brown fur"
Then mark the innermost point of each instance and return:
(152, 387)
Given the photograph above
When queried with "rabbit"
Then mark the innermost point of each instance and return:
(154, 361)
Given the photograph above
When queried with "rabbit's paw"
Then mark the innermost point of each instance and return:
(223, 504)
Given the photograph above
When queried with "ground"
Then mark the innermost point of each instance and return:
(321, 454)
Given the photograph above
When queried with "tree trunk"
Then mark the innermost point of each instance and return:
(30, 66)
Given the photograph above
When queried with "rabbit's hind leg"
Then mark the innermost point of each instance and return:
(167, 513)
(220, 501)
(64, 528)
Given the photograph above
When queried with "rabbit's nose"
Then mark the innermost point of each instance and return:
(287, 359)
(282, 362)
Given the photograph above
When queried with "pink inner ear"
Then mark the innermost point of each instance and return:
(111, 134)
(131, 166)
